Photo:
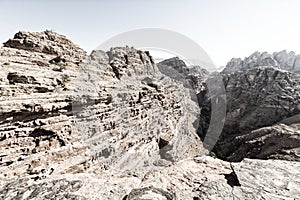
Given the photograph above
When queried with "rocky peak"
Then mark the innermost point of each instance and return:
(176, 63)
(262, 93)
(47, 42)
(178, 70)
(131, 62)
(282, 60)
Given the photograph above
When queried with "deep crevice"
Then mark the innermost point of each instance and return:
(232, 178)
(116, 71)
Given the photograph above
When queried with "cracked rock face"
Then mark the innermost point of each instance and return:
(193, 76)
(262, 118)
(111, 110)
(114, 125)
(260, 97)
(195, 178)
(47, 42)
(136, 116)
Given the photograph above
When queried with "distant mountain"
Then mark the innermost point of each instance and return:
(281, 60)
(263, 107)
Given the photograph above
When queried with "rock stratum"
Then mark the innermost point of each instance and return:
(115, 125)
(263, 107)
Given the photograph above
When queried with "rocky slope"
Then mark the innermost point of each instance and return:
(193, 76)
(263, 102)
(112, 126)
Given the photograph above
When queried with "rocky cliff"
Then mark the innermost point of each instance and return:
(263, 102)
(114, 125)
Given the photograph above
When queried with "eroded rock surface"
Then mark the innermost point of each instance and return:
(193, 76)
(47, 42)
(279, 141)
(262, 111)
(112, 110)
(112, 126)
(260, 97)
(194, 178)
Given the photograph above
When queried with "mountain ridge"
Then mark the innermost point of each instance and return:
(114, 125)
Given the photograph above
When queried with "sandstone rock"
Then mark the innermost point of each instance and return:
(267, 179)
(114, 109)
(203, 85)
(145, 116)
(113, 125)
(47, 42)
(279, 141)
(258, 100)
(260, 97)
(194, 178)
(194, 76)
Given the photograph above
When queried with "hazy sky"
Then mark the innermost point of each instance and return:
(224, 28)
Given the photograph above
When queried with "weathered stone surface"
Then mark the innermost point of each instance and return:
(267, 179)
(194, 76)
(115, 109)
(146, 115)
(279, 141)
(194, 178)
(258, 100)
(260, 97)
(112, 126)
(47, 42)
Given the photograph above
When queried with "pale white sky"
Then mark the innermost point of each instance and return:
(223, 28)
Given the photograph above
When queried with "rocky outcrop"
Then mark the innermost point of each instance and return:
(193, 76)
(36, 133)
(114, 125)
(112, 110)
(279, 141)
(47, 42)
(260, 97)
(282, 60)
(208, 91)
(146, 121)
(262, 108)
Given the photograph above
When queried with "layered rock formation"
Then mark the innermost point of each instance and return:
(262, 99)
(47, 42)
(193, 76)
(112, 126)
(263, 102)
(36, 97)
